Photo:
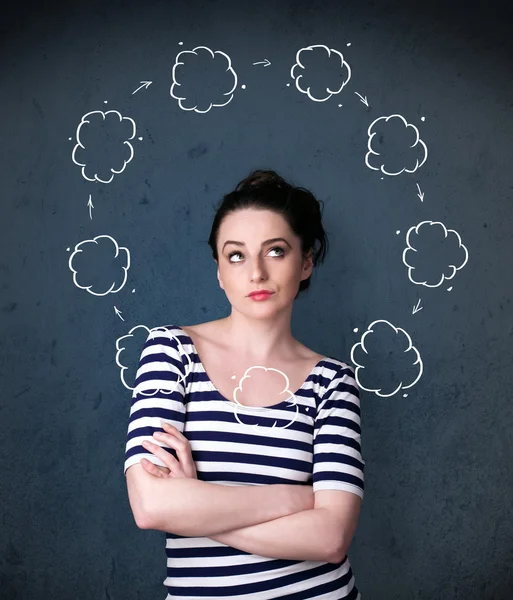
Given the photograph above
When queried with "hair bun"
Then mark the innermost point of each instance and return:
(261, 178)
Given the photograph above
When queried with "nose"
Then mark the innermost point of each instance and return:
(257, 270)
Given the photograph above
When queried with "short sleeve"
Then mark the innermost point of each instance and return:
(158, 395)
(337, 457)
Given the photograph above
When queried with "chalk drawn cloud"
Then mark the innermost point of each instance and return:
(433, 253)
(100, 263)
(128, 348)
(285, 390)
(394, 146)
(386, 350)
(203, 79)
(320, 72)
(103, 138)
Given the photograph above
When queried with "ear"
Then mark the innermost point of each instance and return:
(218, 278)
(307, 268)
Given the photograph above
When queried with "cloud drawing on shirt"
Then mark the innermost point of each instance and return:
(103, 141)
(203, 79)
(433, 253)
(394, 146)
(100, 263)
(386, 350)
(285, 390)
(130, 346)
(320, 72)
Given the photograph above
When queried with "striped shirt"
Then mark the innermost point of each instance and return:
(315, 441)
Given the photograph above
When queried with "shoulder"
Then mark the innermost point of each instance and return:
(173, 330)
(168, 334)
(170, 340)
(307, 354)
(342, 367)
(339, 376)
(205, 335)
(337, 368)
(199, 328)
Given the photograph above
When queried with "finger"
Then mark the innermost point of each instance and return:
(151, 468)
(163, 469)
(171, 429)
(174, 441)
(183, 452)
(169, 460)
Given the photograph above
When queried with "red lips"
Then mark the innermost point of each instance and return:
(254, 293)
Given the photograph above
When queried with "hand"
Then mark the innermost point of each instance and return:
(184, 467)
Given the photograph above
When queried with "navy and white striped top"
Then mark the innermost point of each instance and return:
(318, 444)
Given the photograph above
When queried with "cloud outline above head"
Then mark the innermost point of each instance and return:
(119, 250)
(299, 65)
(372, 153)
(80, 146)
(409, 247)
(173, 90)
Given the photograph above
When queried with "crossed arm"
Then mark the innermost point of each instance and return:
(321, 533)
(304, 535)
(276, 521)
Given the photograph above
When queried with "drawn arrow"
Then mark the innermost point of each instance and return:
(265, 62)
(420, 194)
(118, 312)
(145, 84)
(416, 308)
(90, 204)
(362, 99)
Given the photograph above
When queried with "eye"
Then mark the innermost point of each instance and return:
(282, 253)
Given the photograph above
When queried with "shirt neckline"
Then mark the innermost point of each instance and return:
(287, 401)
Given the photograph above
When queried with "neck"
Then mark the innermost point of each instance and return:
(258, 340)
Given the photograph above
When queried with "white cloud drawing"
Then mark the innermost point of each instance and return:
(196, 64)
(334, 60)
(392, 140)
(117, 126)
(137, 337)
(285, 390)
(87, 252)
(368, 365)
(422, 268)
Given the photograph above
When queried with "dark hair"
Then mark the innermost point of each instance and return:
(266, 190)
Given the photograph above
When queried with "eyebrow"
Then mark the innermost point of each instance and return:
(271, 241)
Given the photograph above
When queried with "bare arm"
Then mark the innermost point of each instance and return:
(306, 535)
(303, 533)
(289, 527)
(190, 507)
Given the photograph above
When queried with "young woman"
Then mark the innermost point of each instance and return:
(257, 474)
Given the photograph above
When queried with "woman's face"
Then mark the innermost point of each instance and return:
(254, 263)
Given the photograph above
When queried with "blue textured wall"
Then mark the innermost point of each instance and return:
(436, 522)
